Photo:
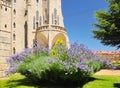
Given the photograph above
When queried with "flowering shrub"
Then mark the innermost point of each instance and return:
(26, 55)
(59, 50)
(17, 59)
(66, 65)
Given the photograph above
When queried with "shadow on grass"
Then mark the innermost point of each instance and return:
(116, 85)
(43, 84)
(19, 82)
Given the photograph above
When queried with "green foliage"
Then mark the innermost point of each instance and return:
(66, 66)
(34, 67)
(109, 24)
(59, 49)
(117, 63)
(96, 66)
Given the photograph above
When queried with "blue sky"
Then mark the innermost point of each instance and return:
(78, 19)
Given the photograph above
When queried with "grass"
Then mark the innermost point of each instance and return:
(16, 81)
(104, 82)
(19, 81)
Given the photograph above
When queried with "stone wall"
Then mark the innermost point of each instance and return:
(5, 34)
(19, 20)
(112, 56)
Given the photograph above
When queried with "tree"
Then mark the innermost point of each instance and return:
(108, 23)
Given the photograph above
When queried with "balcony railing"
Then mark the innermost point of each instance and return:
(52, 28)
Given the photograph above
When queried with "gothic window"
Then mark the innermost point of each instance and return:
(14, 25)
(55, 13)
(58, 20)
(14, 12)
(14, 37)
(55, 16)
(55, 22)
(26, 1)
(37, 15)
(26, 12)
(5, 26)
(34, 22)
(46, 12)
(14, 1)
(46, 16)
(40, 20)
(14, 50)
(52, 19)
(37, 1)
(6, 9)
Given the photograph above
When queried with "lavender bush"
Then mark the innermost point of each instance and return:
(16, 60)
(67, 66)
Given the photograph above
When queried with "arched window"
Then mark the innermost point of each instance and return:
(46, 16)
(26, 1)
(55, 16)
(37, 1)
(14, 50)
(37, 15)
(34, 22)
(5, 8)
(46, 12)
(55, 13)
(14, 37)
(55, 22)
(14, 11)
(52, 19)
(5, 25)
(40, 20)
(14, 1)
(58, 20)
(14, 25)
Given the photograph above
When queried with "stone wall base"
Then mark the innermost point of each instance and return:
(3, 68)
(2, 74)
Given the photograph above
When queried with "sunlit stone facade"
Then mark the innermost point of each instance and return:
(19, 20)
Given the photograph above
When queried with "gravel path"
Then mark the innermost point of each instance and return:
(108, 72)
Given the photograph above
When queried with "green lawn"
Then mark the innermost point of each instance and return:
(16, 81)
(104, 82)
(19, 81)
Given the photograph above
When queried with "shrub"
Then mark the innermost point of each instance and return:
(59, 50)
(17, 59)
(70, 66)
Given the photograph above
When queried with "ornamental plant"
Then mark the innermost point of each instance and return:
(64, 66)
(59, 49)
